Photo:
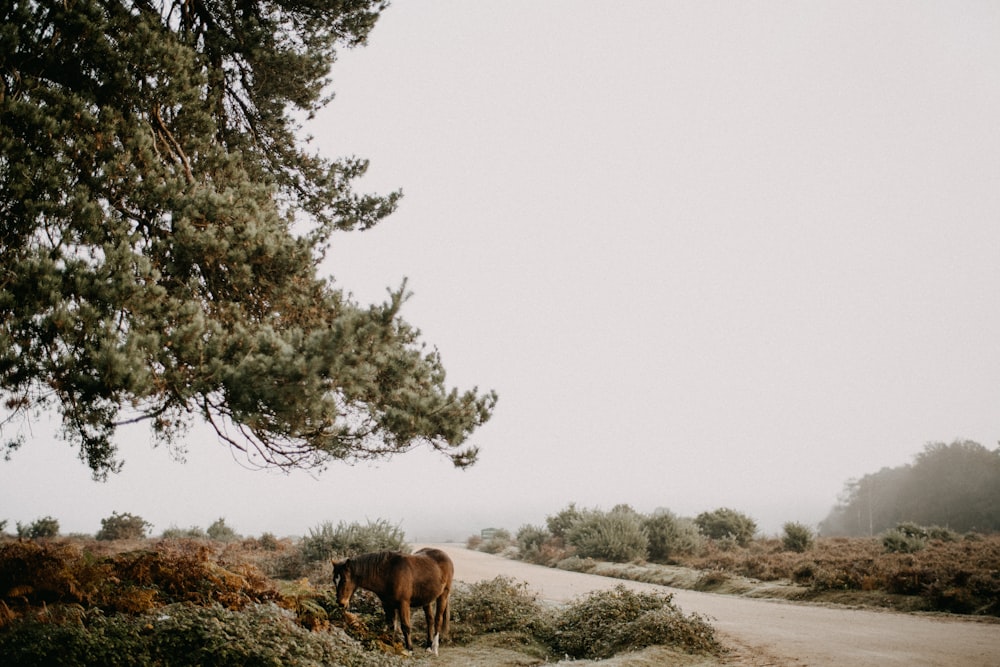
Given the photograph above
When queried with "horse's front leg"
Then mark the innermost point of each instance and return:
(390, 618)
(404, 621)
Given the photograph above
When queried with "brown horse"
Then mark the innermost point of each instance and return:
(401, 581)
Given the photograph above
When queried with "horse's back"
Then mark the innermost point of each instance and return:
(442, 560)
(432, 572)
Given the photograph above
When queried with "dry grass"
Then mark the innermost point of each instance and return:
(961, 576)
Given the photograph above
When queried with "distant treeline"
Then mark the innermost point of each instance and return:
(956, 486)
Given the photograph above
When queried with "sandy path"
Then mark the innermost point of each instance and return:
(765, 632)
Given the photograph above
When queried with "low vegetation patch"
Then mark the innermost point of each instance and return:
(82, 601)
(598, 625)
(180, 635)
(909, 567)
(961, 576)
(609, 622)
(171, 602)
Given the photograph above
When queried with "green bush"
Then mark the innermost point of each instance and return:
(268, 542)
(39, 528)
(608, 622)
(905, 538)
(615, 536)
(798, 537)
(530, 540)
(725, 523)
(943, 534)
(124, 526)
(908, 537)
(192, 533)
(326, 542)
(670, 536)
(597, 626)
(559, 524)
(182, 635)
(498, 605)
(221, 532)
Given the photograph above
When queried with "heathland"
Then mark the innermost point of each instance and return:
(191, 597)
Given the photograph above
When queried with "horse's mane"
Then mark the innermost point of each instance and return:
(367, 565)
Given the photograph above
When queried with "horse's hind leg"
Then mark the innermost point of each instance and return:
(444, 611)
(439, 625)
(430, 628)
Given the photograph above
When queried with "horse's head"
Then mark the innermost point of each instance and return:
(344, 582)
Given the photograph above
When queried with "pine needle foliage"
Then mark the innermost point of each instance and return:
(163, 221)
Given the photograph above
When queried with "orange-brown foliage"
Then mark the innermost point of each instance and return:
(35, 574)
(961, 576)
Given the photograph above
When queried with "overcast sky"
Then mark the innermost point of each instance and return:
(709, 254)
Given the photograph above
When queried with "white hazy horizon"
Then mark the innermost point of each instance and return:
(709, 255)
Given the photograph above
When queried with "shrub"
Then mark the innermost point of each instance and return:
(726, 523)
(943, 534)
(352, 539)
(39, 573)
(183, 635)
(284, 560)
(559, 524)
(798, 537)
(192, 533)
(123, 527)
(530, 540)
(268, 542)
(499, 540)
(670, 535)
(616, 536)
(576, 564)
(498, 605)
(34, 574)
(221, 532)
(39, 528)
(905, 538)
(608, 622)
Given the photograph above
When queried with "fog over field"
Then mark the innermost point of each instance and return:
(708, 254)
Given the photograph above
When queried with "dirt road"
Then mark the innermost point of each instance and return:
(764, 632)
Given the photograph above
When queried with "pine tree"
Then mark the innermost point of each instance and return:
(162, 225)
